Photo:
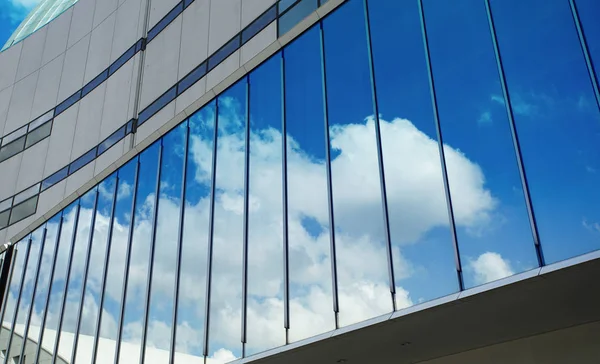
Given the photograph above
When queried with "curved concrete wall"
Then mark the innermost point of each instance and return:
(67, 53)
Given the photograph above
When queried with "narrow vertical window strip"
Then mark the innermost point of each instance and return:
(211, 229)
(151, 257)
(585, 49)
(127, 262)
(386, 221)
(18, 302)
(284, 191)
(179, 243)
(334, 280)
(515, 137)
(86, 269)
(35, 284)
(67, 279)
(48, 294)
(441, 148)
(105, 269)
(12, 251)
(246, 200)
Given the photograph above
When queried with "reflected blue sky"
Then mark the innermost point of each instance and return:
(555, 113)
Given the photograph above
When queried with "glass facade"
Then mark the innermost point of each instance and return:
(394, 153)
(41, 15)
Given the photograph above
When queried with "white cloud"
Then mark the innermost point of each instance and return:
(485, 118)
(489, 267)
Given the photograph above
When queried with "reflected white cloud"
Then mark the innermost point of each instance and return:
(489, 267)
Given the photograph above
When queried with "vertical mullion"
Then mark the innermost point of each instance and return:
(52, 271)
(10, 258)
(67, 279)
(245, 242)
(211, 228)
(515, 138)
(284, 190)
(86, 269)
(151, 257)
(334, 285)
(436, 118)
(179, 244)
(35, 283)
(18, 301)
(585, 50)
(105, 270)
(386, 221)
(127, 261)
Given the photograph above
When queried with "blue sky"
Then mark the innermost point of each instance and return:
(12, 12)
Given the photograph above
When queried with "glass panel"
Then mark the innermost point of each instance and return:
(192, 282)
(549, 86)
(14, 135)
(164, 22)
(494, 236)
(59, 281)
(224, 52)
(311, 311)
(40, 301)
(55, 178)
(67, 103)
(265, 326)
(121, 60)
(259, 24)
(93, 284)
(591, 27)
(22, 313)
(111, 140)
(68, 323)
(226, 294)
(94, 83)
(363, 283)
(133, 318)
(12, 148)
(4, 218)
(33, 190)
(21, 262)
(6, 204)
(111, 307)
(196, 74)
(23, 210)
(40, 120)
(160, 310)
(82, 161)
(38, 134)
(295, 15)
(284, 4)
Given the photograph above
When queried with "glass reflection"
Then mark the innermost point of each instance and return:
(52, 310)
(160, 314)
(557, 121)
(135, 300)
(494, 235)
(111, 306)
(226, 294)
(423, 255)
(189, 343)
(363, 282)
(68, 321)
(265, 312)
(13, 293)
(311, 310)
(91, 299)
(587, 10)
(24, 306)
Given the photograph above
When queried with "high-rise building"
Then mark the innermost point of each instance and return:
(301, 181)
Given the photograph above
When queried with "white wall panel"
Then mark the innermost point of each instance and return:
(80, 178)
(57, 37)
(10, 172)
(109, 157)
(9, 59)
(32, 165)
(21, 101)
(155, 122)
(259, 42)
(74, 68)
(224, 69)
(100, 45)
(46, 92)
(31, 54)
(4, 104)
(225, 22)
(87, 131)
(81, 24)
(194, 36)
(158, 9)
(116, 101)
(126, 28)
(50, 198)
(103, 9)
(3, 237)
(251, 9)
(190, 95)
(161, 64)
(61, 140)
